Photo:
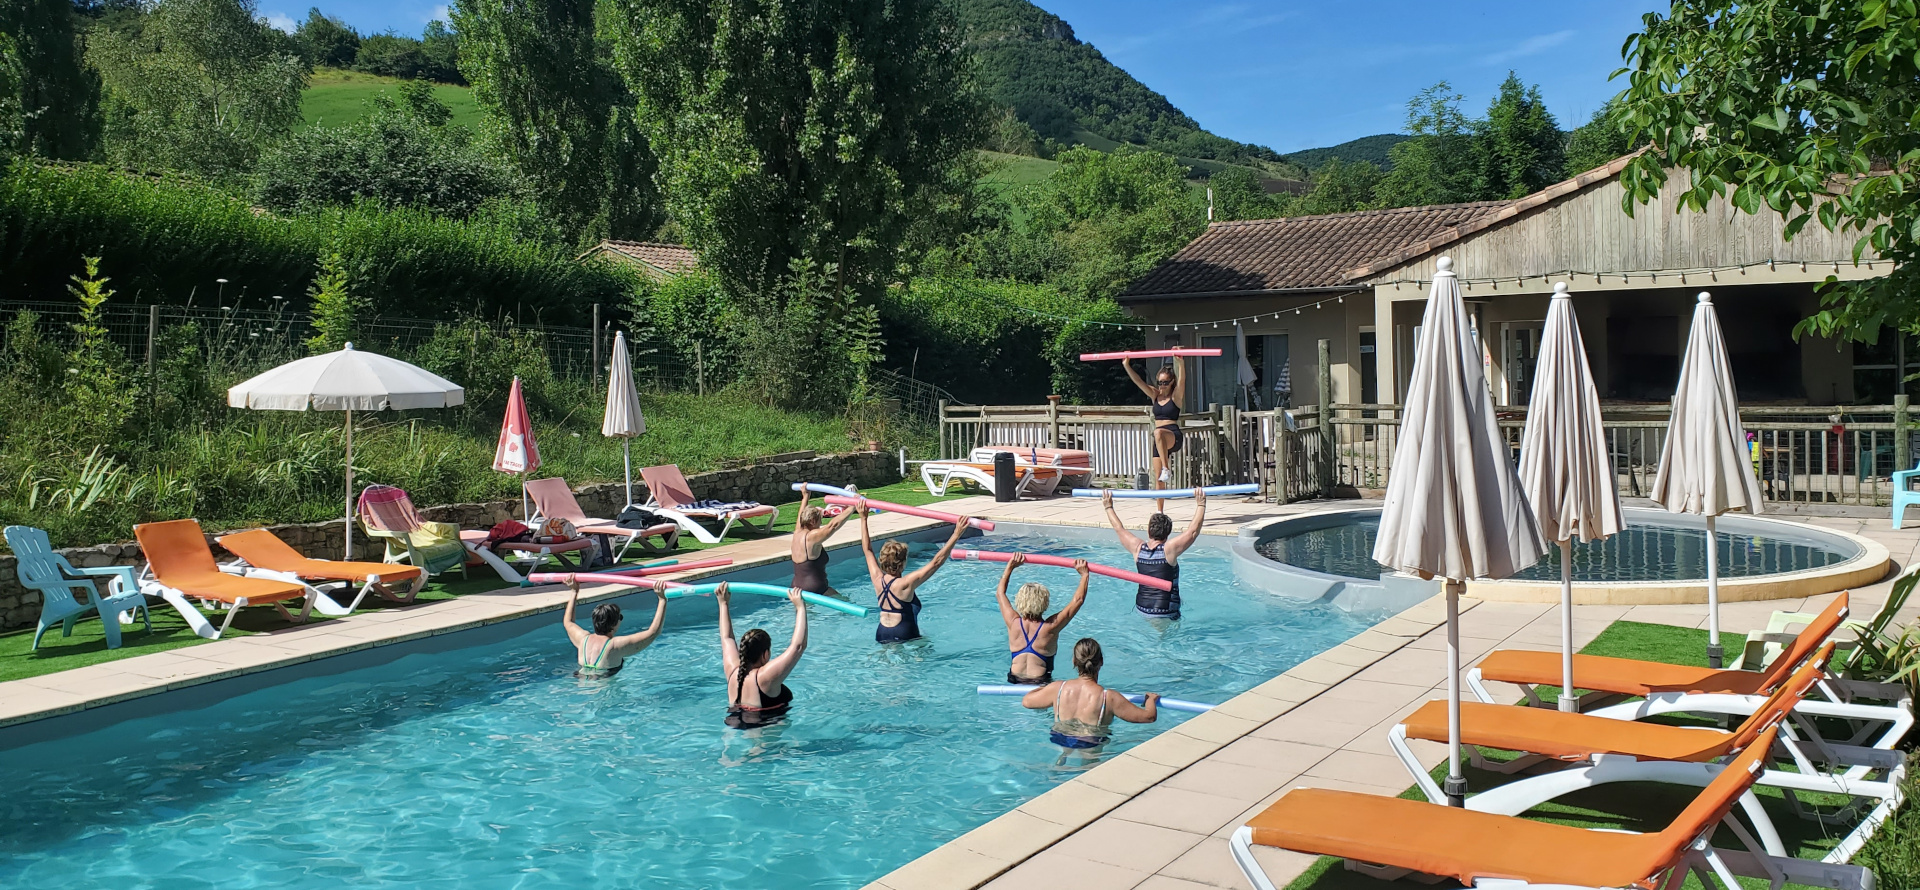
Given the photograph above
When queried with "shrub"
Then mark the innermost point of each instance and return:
(1000, 342)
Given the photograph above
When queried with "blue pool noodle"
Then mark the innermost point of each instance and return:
(1211, 490)
(1171, 704)
(817, 488)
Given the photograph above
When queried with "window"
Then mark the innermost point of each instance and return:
(1519, 355)
(1879, 368)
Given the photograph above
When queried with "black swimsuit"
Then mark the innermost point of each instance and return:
(811, 576)
(770, 711)
(909, 626)
(1152, 601)
(1166, 416)
(1044, 678)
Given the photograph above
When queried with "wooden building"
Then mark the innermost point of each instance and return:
(1360, 281)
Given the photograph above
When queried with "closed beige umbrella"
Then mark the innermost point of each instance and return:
(623, 418)
(1565, 468)
(1704, 468)
(1454, 509)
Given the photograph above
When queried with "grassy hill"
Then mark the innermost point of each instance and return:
(334, 96)
(1366, 148)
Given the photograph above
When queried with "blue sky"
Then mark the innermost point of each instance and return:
(1291, 75)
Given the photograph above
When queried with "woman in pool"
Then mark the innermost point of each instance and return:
(899, 589)
(1083, 710)
(757, 694)
(601, 654)
(1168, 390)
(1158, 556)
(1032, 638)
(810, 547)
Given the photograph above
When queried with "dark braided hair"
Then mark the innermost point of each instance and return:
(754, 646)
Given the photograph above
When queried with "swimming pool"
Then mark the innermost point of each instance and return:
(491, 767)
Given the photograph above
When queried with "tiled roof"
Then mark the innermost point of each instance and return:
(671, 259)
(1296, 253)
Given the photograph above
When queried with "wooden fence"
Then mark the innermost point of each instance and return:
(1802, 454)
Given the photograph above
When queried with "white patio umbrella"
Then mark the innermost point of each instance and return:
(623, 417)
(1454, 508)
(1704, 467)
(1565, 469)
(1244, 370)
(348, 380)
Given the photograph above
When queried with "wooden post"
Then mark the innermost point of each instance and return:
(1282, 449)
(596, 347)
(1901, 457)
(699, 370)
(942, 454)
(1329, 444)
(1053, 421)
(153, 332)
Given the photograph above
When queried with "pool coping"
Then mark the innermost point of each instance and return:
(990, 850)
(1870, 565)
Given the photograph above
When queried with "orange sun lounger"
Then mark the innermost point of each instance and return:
(180, 562)
(1396, 836)
(261, 549)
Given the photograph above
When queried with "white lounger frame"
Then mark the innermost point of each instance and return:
(689, 521)
(316, 601)
(939, 475)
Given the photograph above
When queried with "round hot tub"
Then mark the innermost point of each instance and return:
(1659, 558)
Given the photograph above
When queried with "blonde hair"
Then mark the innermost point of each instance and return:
(893, 558)
(1031, 601)
(809, 518)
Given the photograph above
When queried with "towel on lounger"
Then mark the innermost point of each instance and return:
(721, 506)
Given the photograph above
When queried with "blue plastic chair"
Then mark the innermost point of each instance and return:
(1903, 493)
(42, 569)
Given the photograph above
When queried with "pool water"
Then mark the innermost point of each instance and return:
(1640, 552)
(492, 767)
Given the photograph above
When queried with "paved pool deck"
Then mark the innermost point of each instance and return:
(1155, 817)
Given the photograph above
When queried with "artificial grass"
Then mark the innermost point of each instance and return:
(88, 645)
(1893, 853)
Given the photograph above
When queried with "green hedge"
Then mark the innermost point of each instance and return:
(165, 241)
(1002, 343)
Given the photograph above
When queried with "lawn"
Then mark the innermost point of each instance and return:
(1894, 851)
(336, 97)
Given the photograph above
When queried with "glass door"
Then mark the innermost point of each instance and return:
(1519, 354)
(1219, 375)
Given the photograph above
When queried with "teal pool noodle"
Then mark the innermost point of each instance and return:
(1169, 493)
(1171, 704)
(825, 602)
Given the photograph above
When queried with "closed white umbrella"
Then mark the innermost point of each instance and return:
(348, 380)
(623, 418)
(1244, 372)
(1704, 467)
(1454, 508)
(1565, 468)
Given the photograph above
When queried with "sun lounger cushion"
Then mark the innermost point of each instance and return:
(263, 549)
(1564, 735)
(178, 554)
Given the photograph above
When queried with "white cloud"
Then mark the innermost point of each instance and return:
(1531, 46)
(282, 22)
(440, 14)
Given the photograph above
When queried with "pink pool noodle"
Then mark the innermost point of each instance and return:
(1149, 353)
(1042, 559)
(642, 571)
(985, 525)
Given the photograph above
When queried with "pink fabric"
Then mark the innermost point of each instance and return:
(555, 500)
(668, 486)
(517, 451)
(388, 509)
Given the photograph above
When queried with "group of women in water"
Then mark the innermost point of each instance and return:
(757, 693)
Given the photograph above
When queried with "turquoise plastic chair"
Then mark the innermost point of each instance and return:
(42, 569)
(1903, 493)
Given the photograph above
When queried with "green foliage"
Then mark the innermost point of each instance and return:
(203, 86)
(1371, 149)
(560, 114)
(336, 309)
(999, 342)
(806, 345)
(1340, 187)
(1597, 142)
(1521, 146)
(97, 385)
(1439, 165)
(788, 130)
(58, 97)
(1008, 134)
(336, 96)
(168, 241)
(327, 41)
(404, 153)
(1065, 90)
(1799, 107)
(436, 57)
(13, 121)
(1237, 194)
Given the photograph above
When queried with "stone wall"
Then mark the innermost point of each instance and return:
(768, 483)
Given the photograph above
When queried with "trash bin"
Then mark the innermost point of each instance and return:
(1005, 477)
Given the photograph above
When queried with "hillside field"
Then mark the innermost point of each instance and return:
(334, 96)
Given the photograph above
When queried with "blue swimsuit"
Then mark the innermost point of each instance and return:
(909, 612)
(1044, 678)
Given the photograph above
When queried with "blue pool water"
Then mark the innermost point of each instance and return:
(491, 767)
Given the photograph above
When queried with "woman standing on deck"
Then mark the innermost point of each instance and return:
(897, 588)
(1033, 639)
(1159, 555)
(1083, 710)
(757, 693)
(1168, 391)
(810, 547)
(601, 654)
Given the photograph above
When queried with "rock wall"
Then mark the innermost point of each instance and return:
(768, 483)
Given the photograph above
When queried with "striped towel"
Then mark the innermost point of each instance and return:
(711, 506)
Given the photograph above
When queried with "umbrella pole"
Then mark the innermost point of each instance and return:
(348, 516)
(1715, 656)
(1567, 701)
(626, 453)
(1456, 784)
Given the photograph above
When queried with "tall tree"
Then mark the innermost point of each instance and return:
(58, 97)
(1802, 107)
(327, 41)
(1440, 164)
(203, 87)
(1340, 187)
(1597, 142)
(12, 120)
(1521, 146)
(1238, 194)
(801, 130)
(560, 112)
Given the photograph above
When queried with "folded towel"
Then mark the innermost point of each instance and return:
(721, 506)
